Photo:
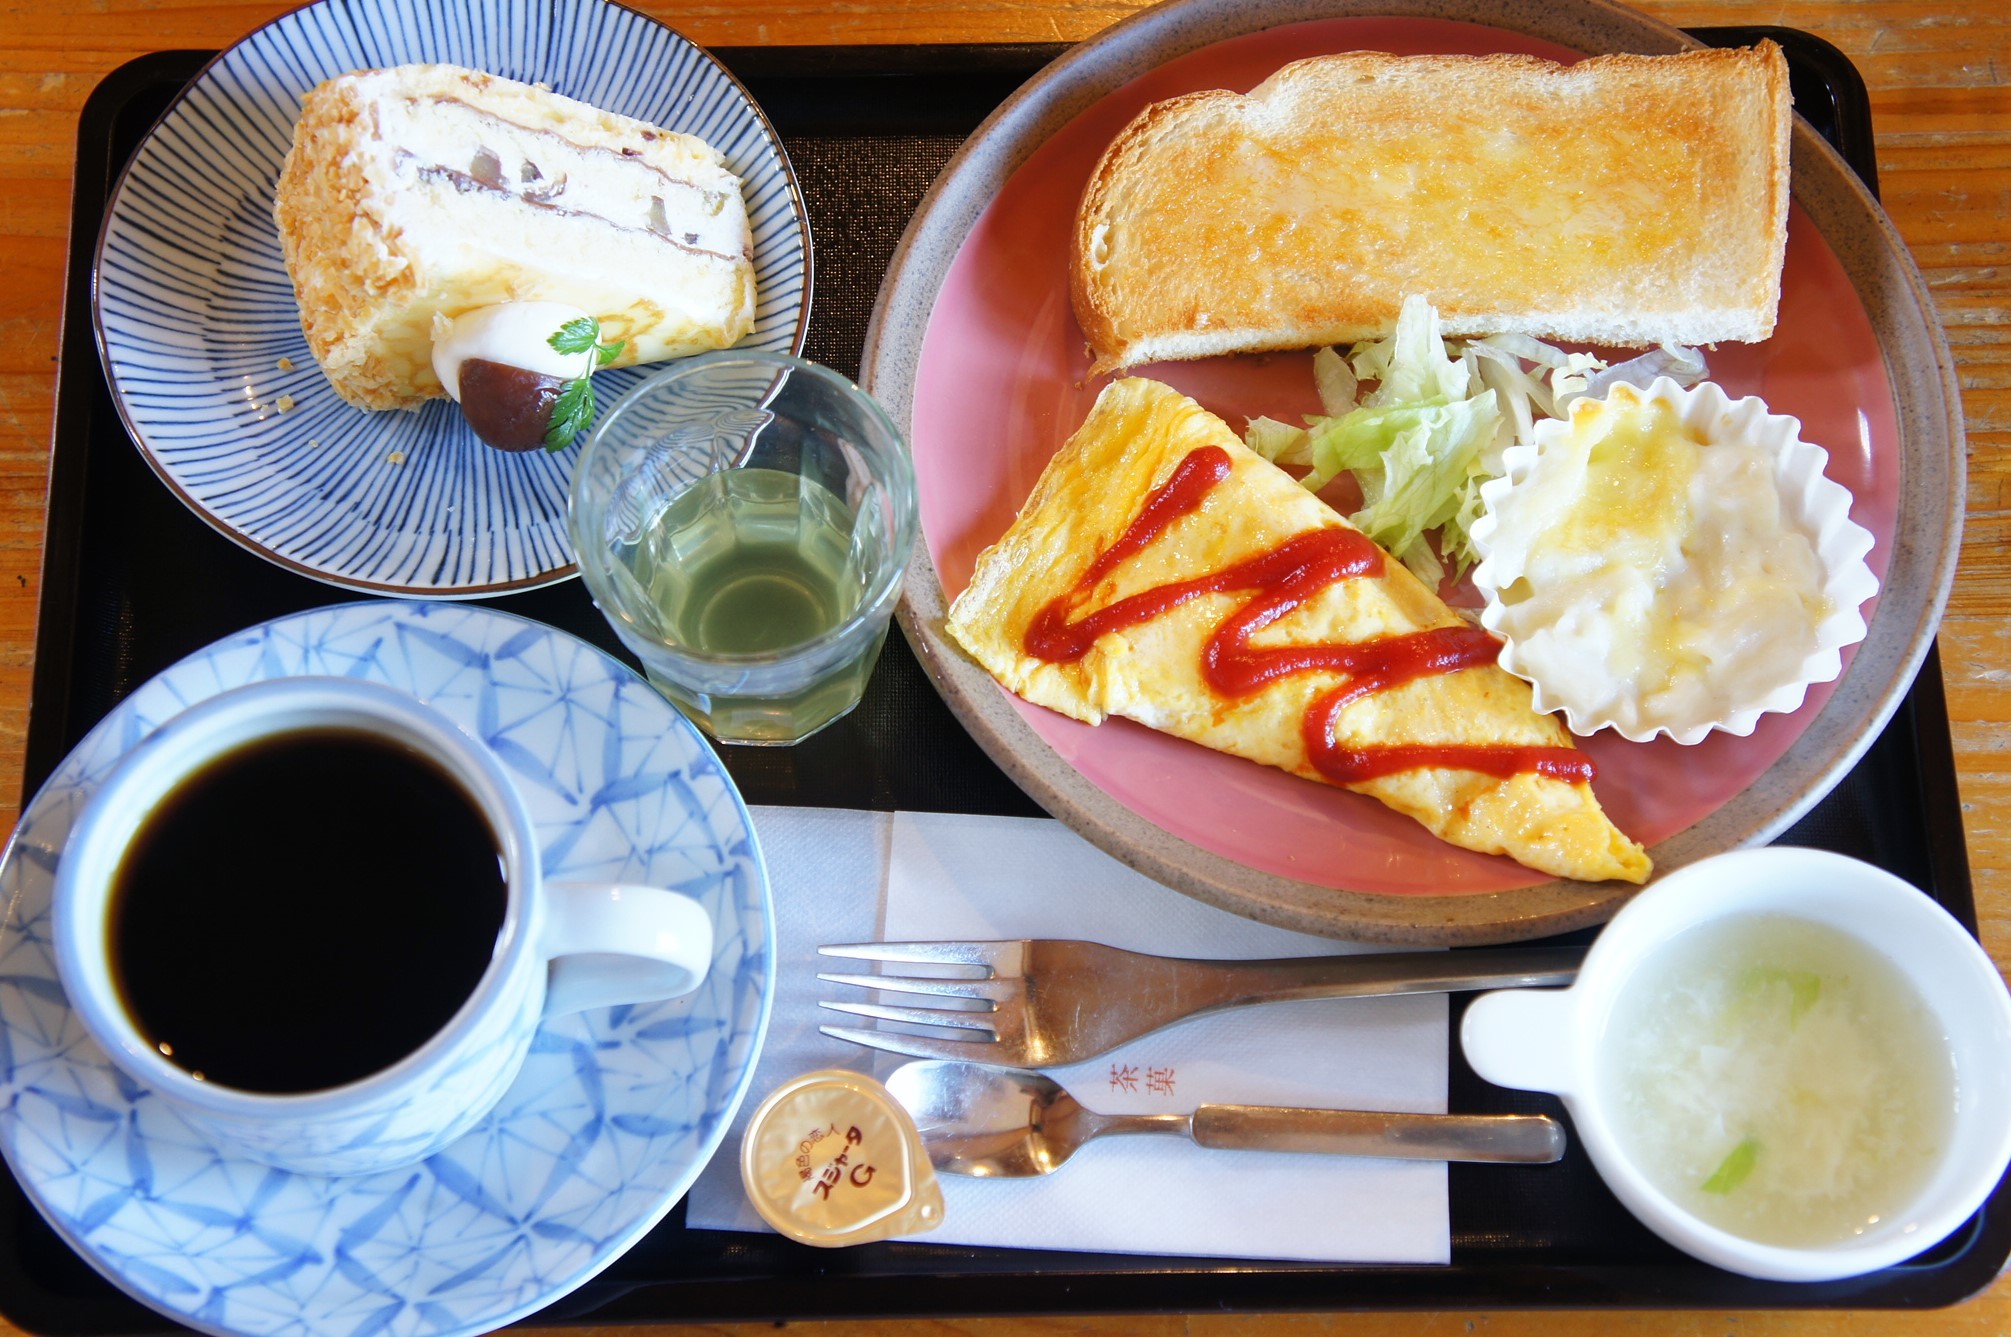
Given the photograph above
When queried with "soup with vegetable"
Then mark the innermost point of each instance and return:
(1780, 1079)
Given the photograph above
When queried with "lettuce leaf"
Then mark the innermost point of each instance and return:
(1413, 462)
(1413, 443)
(1279, 442)
(1411, 365)
(1335, 381)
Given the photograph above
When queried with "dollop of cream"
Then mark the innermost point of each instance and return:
(516, 334)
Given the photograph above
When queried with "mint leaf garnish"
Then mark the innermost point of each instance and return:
(1734, 1169)
(577, 336)
(573, 413)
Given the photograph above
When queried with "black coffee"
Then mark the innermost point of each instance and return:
(305, 911)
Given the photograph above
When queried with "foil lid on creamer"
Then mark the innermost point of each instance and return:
(832, 1159)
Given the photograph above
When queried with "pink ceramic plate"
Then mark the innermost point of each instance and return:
(976, 347)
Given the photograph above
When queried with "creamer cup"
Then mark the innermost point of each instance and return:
(832, 1159)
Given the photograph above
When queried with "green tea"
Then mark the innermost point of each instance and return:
(750, 561)
(758, 563)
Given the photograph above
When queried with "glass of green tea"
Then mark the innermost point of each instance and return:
(742, 519)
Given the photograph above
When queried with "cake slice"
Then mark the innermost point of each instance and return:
(431, 189)
(1164, 573)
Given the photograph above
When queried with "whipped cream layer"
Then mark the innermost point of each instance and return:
(689, 201)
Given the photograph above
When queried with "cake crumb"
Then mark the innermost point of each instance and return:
(284, 403)
(286, 364)
(395, 457)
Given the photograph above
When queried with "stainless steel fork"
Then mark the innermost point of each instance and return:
(1049, 1002)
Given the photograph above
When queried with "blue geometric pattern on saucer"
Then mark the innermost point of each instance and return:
(612, 1117)
(200, 333)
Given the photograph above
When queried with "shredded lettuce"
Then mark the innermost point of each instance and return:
(1457, 536)
(1336, 382)
(1412, 442)
(1279, 442)
(1412, 462)
(1684, 366)
(1412, 364)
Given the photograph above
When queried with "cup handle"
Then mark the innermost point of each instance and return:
(610, 944)
(1521, 1038)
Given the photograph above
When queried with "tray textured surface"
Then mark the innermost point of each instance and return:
(866, 149)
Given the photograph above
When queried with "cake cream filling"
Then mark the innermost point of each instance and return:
(445, 139)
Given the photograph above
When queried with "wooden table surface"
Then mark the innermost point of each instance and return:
(1939, 72)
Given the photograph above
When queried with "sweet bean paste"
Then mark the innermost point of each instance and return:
(1278, 582)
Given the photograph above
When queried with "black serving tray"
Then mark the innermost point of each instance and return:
(132, 581)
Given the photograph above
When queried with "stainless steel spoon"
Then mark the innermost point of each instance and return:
(1006, 1123)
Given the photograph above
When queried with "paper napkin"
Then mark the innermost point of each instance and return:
(840, 876)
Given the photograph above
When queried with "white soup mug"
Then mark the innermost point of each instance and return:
(1559, 1040)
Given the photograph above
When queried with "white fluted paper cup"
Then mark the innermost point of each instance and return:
(1636, 593)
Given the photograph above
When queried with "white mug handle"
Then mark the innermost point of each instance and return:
(610, 944)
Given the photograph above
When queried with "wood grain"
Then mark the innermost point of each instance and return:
(1937, 72)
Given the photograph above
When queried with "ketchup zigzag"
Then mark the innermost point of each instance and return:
(1278, 582)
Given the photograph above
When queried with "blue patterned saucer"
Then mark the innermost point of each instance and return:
(200, 333)
(612, 1118)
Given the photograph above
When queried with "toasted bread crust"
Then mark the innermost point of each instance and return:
(1621, 200)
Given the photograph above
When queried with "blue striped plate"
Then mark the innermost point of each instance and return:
(200, 334)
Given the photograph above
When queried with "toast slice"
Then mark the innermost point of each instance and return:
(1116, 467)
(1623, 200)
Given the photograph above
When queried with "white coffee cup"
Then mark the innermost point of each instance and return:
(561, 947)
(1552, 1040)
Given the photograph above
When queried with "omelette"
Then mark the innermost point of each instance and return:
(1164, 573)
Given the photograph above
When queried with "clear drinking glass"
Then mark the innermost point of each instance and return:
(742, 519)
